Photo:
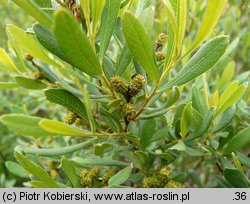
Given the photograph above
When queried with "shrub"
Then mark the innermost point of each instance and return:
(134, 95)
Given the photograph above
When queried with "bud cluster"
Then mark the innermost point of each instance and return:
(161, 40)
(73, 118)
(93, 178)
(161, 179)
(160, 56)
(127, 110)
(38, 75)
(128, 90)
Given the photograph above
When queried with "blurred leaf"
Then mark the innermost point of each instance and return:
(121, 177)
(62, 129)
(6, 60)
(30, 83)
(204, 59)
(227, 75)
(180, 146)
(74, 44)
(32, 9)
(211, 16)
(140, 44)
(140, 160)
(88, 109)
(100, 148)
(235, 178)
(35, 170)
(38, 184)
(232, 94)
(20, 37)
(186, 119)
(70, 171)
(16, 169)
(96, 12)
(195, 178)
(147, 132)
(68, 100)
(24, 125)
(160, 134)
(239, 141)
(197, 100)
(109, 18)
(7, 85)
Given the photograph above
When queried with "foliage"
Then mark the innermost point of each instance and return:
(127, 93)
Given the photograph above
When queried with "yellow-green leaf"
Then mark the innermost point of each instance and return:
(32, 9)
(7, 61)
(186, 119)
(229, 97)
(60, 128)
(28, 43)
(211, 16)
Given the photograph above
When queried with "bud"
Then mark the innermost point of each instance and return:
(38, 75)
(78, 122)
(53, 174)
(119, 85)
(160, 56)
(127, 110)
(90, 178)
(28, 57)
(163, 175)
(151, 182)
(137, 85)
(70, 118)
(161, 40)
(174, 184)
(107, 176)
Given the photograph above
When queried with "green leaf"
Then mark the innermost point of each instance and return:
(212, 14)
(239, 141)
(186, 119)
(140, 44)
(109, 18)
(160, 134)
(87, 102)
(35, 170)
(204, 59)
(30, 83)
(195, 178)
(7, 85)
(235, 178)
(62, 129)
(20, 37)
(38, 184)
(32, 9)
(229, 97)
(68, 100)
(24, 125)
(55, 151)
(197, 100)
(6, 60)
(16, 169)
(48, 40)
(100, 148)
(180, 146)
(96, 12)
(70, 171)
(97, 161)
(202, 129)
(181, 22)
(74, 44)
(121, 177)
(147, 132)
(123, 61)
